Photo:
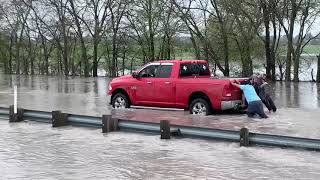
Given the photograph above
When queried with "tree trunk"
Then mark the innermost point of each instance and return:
(95, 58)
(18, 58)
(267, 47)
(5, 67)
(46, 60)
(168, 47)
(123, 64)
(195, 46)
(290, 41)
(296, 65)
(32, 67)
(247, 69)
(226, 54)
(312, 77)
(273, 65)
(151, 34)
(84, 56)
(65, 55)
(25, 65)
(281, 72)
(131, 65)
(268, 50)
(114, 54)
(224, 38)
(288, 60)
(318, 70)
(10, 54)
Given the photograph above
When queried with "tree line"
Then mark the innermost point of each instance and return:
(79, 37)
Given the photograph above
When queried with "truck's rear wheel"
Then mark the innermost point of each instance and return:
(120, 101)
(199, 106)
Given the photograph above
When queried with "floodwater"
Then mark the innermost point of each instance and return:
(37, 151)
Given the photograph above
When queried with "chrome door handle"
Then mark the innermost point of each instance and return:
(149, 82)
(167, 82)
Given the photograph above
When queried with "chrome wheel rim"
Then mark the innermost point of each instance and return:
(119, 103)
(199, 109)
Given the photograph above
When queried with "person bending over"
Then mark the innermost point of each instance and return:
(264, 96)
(259, 83)
(255, 105)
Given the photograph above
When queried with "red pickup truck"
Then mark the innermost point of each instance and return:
(185, 84)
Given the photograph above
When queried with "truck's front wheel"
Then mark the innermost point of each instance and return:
(120, 101)
(199, 106)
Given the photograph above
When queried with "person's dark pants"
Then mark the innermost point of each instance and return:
(268, 102)
(256, 107)
(271, 103)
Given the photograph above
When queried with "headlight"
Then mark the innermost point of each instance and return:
(110, 87)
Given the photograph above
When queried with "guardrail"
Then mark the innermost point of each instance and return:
(108, 124)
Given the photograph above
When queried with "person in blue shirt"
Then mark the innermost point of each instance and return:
(255, 105)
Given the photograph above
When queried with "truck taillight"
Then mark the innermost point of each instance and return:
(227, 91)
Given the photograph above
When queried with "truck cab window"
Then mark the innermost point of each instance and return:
(194, 70)
(149, 71)
(165, 71)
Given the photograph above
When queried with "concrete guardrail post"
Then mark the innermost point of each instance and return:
(15, 117)
(59, 119)
(244, 137)
(165, 129)
(109, 124)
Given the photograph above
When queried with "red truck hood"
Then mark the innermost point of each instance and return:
(123, 78)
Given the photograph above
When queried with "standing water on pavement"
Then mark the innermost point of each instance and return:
(37, 151)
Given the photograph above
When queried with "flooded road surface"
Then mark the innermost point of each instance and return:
(298, 104)
(37, 151)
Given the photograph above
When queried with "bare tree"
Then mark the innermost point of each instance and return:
(185, 12)
(117, 10)
(75, 11)
(95, 21)
(304, 13)
(145, 19)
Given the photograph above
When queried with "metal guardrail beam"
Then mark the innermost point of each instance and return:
(86, 121)
(197, 132)
(4, 113)
(284, 141)
(138, 126)
(37, 114)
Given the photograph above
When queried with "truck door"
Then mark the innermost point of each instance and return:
(143, 87)
(164, 86)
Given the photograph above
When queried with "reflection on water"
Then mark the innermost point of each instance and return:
(71, 94)
(295, 95)
(54, 90)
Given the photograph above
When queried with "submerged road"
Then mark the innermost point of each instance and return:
(298, 104)
(36, 151)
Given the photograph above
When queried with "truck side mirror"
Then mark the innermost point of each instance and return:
(135, 75)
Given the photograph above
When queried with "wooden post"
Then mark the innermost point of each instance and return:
(244, 137)
(109, 124)
(15, 117)
(59, 119)
(165, 129)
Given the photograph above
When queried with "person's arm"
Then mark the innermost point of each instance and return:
(264, 84)
(235, 84)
